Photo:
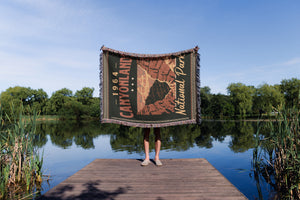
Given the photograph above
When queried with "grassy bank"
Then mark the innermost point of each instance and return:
(41, 118)
(47, 118)
(277, 157)
(20, 162)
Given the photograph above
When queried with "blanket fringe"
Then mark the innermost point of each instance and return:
(147, 125)
(198, 119)
(101, 85)
(137, 55)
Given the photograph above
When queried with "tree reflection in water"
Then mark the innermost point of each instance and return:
(122, 138)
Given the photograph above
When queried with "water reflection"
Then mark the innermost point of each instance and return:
(122, 138)
(242, 137)
(64, 133)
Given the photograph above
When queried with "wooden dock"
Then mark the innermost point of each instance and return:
(126, 179)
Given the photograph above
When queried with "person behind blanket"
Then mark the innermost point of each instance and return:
(157, 146)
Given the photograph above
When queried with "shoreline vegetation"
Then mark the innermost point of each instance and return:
(47, 118)
(21, 162)
(276, 157)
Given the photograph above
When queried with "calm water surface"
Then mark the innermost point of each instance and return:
(228, 146)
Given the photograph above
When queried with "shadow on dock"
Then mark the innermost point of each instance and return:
(91, 191)
(125, 179)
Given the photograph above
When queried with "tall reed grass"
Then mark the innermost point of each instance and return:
(20, 162)
(277, 156)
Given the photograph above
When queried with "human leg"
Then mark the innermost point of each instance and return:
(146, 142)
(157, 143)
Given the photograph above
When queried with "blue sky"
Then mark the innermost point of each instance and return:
(53, 44)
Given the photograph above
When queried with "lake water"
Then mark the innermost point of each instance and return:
(227, 145)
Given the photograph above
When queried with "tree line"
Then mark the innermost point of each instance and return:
(245, 101)
(242, 101)
(62, 103)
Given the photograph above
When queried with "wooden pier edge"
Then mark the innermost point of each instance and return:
(125, 179)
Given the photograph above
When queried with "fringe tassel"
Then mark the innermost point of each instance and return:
(137, 55)
(147, 125)
(101, 67)
(198, 119)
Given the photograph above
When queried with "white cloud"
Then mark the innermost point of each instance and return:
(291, 62)
(39, 46)
(55, 70)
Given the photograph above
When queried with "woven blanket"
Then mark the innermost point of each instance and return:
(150, 90)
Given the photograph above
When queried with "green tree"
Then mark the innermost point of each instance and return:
(85, 95)
(220, 106)
(241, 97)
(205, 96)
(39, 100)
(72, 109)
(57, 100)
(15, 96)
(291, 90)
(266, 97)
(94, 109)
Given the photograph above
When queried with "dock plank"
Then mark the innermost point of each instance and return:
(125, 179)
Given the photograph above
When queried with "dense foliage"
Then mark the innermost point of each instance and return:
(245, 101)
(62, 102)
(20, 162)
